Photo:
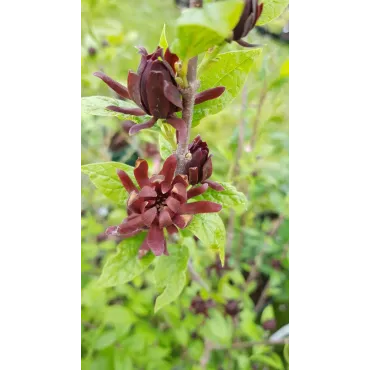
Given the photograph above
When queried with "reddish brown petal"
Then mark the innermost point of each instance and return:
(173, 204)
(126, 125)
(165, 252)
(172, 93)
(130, 226)
(170, 58)
(209, 94)
(114, 85)
(157, 178)
(149, 216)
(168, 170)
(180, 126)
(193, 175)
(159, 106)
(144, 249)
(195, 191)
(247, 44)
(180, 191)
(134, 203)
(203, 206)
(172, 229)
(113, 231)
(141, 172)
(135, 129)
(182, 220)
(133, 84)
(214, 185)
(147, 192)
(155, 240)
(126, 181)
(164, 219)
(259, 12)
(132, 111)
(182, 179)
(142, 50)
(207, 169)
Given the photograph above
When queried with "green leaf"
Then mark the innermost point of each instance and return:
(210, 229)
(95, 105)
(104, 177)
(268, 313)
(230, 197)
(271, 10)
(170, 274)
(105, 340)
(230, 70)
(163, 39)
(167, 140)
(199, 29)
(125, 265)
(286, 353)
(218, 328)
(274, 361)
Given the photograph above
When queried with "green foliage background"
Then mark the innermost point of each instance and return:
(119, 327)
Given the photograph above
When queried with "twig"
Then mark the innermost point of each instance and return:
(196, 277)
(208, 348)
(257, 118)
(262, 299)
(188, 98)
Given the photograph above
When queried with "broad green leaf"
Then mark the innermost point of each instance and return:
(105, 340)
(165, 147)
(230, 70)
(218, 328)
(167, 140)
(163, 39)
(95, 105)
(104, 177)
(199, 29)
(273, 360)
(230, 197)
(271, 10)
(170, 274)
(210, 229)
(125, 265)
(268, 313)
(286, 353)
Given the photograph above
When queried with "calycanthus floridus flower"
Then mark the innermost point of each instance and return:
(160, 202)
(155, 91)
(199, 168)
(251, 12)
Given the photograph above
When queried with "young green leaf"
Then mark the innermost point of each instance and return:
(210, 229)
(273, 360)
(200, 29)
(105, 178)
(170, 274)
(163, 39)
(167, 140)
(286, 353)
(230, 70)
(125, 265)
(228, 198)
(218, 328)
(96, 106)
(271, 10)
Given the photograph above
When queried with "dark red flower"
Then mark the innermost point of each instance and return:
(160, 202)
(217, 266)
(251, 12)
(232, 308)
(199, 168)
(269, 324)
(155, 91)
(200, 306)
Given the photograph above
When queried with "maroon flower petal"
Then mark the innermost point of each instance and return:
(147, 192)
(172, 93)
(168, 170)
(134, 203)
(144, 249)
(148, 124)
(113, 231)
(179, 125)
(203, 206)
(172, 229)
(214, 185)
(141, 172)
(126, 125)
(170, 58)
(182, 220)
(133, 84)
(195, 191)
(149, 216)
(207, 169)
(155, 240)
(179, 190)
(247, 44)
(142, 51)
(126, 181)
(209, 94)
(159, 106)
(157, 178)
(193, 175)
(173, 204)
(133, 111)
(114, 85)
(164, 219)
(132, 225)
(182, 179)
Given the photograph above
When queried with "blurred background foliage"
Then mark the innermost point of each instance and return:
(248, 298)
